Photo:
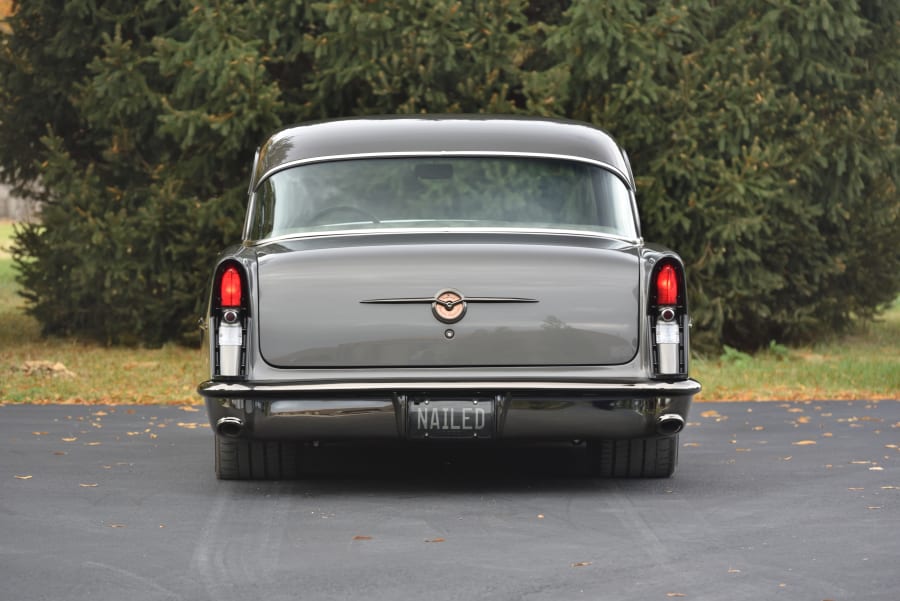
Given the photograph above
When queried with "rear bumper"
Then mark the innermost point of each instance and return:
(380, 410)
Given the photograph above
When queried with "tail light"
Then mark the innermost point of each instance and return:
(229, 318)
(666, 285)
(668, 320)
(230, 288)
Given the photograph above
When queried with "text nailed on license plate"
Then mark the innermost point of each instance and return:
(472, 418)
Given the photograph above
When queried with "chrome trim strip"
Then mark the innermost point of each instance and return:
(251, 198)
(449, 305)
(253, 172)
(443, 230)
(444, 153)
(236, 389)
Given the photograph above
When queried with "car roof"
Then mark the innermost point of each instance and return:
(437, 135)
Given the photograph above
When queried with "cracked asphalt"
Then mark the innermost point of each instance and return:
(770, 501)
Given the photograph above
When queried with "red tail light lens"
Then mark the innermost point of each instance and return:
(667, 286)
(230, 287)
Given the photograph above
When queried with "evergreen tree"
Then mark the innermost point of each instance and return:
(764, 139)
(763, 136)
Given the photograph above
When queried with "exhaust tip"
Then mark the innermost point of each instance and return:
(229, 426)
(670, 423)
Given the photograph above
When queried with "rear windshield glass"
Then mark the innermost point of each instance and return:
(442, 192)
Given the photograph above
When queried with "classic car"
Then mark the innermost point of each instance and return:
(446, 279)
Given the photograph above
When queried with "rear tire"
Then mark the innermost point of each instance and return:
(238, 459)
(654, 457)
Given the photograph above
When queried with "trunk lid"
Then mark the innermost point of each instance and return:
(312, 291)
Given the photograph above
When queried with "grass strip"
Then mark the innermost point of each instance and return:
(863, 365)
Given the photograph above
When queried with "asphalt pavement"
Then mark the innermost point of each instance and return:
(770, 501)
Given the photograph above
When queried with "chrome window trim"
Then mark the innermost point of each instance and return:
(465, 154)
(443, 230)
(251, 197)
(444, 154)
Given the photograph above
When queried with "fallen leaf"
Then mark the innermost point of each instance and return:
(70, 439)
(92, 485)
(710, 413)
(692, 444)
(856, 488)
(803, 420)
(23, 477)
(60, 453)
(675, 595)
(100, 413)
(804, 443)
(189, 409)
(39, 433)
(434, 540)
(795, 410)
(733, 571)
(759, 428)
(117, 525)
(362, 537)
(93, 444)
(860, 462)
(582, 564)
(876, 469)
(540, 516)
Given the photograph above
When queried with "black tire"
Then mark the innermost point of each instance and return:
(238, 459)
(654, 457)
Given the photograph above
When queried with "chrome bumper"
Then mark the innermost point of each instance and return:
(379, 410)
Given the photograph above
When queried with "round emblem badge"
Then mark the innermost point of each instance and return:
(448, 306)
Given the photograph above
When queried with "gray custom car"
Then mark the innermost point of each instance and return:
(459, 279)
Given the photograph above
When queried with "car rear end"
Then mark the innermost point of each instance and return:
(423, 297)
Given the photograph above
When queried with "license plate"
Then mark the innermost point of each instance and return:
(451, 418)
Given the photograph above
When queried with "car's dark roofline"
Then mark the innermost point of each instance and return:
(439, 134)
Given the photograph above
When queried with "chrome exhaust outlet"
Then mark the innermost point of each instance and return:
(670, 423)
(229, 426)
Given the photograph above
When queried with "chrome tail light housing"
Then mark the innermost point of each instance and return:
(228, 317)
(669, 320)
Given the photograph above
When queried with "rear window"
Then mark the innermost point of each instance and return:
(442, 192)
